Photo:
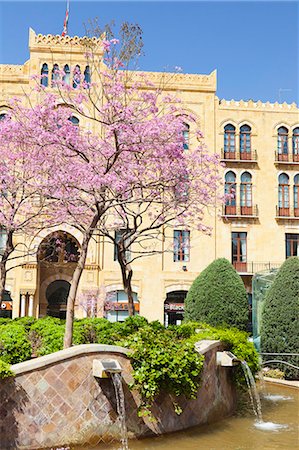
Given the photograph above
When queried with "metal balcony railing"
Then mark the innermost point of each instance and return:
(252, 267)
(240, 211)
(238, 156)
(287, 212)
(286, 158)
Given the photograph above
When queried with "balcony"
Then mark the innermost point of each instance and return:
(287, 213)
(286, 158)
(241, 212)
(239, 157)
(250, 268)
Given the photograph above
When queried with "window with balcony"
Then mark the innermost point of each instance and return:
(44, 75)
(296, 195)
(295, 142)
(292, 245)
(230, 191)
(245, 142)
(282, 144)
(283, 195)
(229, 142)
(246, 194)
(181, 245)
(239, 251)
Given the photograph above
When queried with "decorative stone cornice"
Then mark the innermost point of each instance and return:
(11, 69)
(250, 104)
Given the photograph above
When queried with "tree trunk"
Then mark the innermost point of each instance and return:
(2, 278)
(68, 335)
(127, 274)
(7, 252)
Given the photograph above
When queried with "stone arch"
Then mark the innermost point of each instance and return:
(56, 261)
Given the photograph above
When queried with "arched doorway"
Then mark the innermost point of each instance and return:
(174, 307)
(56, 295)
(58, 254)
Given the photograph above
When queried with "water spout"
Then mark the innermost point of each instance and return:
(121, 411)
(253, 393)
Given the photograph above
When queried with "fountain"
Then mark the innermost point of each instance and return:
(112, 368)
(256, 402)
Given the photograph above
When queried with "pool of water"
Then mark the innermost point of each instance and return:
(280, 407)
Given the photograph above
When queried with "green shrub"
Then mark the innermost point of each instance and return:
(163, 363)
(15, 346)
(5, 370)
(4, 320)
(47, 335)
(218, 297)
(280, 317)
(26, 322)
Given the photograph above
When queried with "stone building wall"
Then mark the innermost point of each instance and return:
(55, 401)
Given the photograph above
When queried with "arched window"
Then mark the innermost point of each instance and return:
(229, 142)
(246, 194)
(296, 195)
(295, 141)
(87, 77)
(282, 144)
(67, 74)
(76, 76)
(186, 129)
(74, 120)
(230, 189)
(245, 142)
(44, 75)
(55, 74)
(283, 195)
(2, 116)
(116, 306)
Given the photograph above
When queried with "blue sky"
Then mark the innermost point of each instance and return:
(253, 45)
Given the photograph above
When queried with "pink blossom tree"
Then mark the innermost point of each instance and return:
(131, 172)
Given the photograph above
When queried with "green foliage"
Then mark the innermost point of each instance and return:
(280, 318)
(46, 335)
(26, 322)
(15, 346)
(4, 320)
(218, 297)
(162, 362)
(162, 359)
(5, 370)
(235, 341)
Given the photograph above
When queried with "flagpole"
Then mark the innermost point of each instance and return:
(66, 19)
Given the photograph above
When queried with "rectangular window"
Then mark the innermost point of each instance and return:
(118, 235)
(239, 251)
(292, 245)
(181, 245)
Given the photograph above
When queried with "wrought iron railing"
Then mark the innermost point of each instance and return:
(238, 156)
(240, 211)
(290, 158)
(287, 212)
(251, 267)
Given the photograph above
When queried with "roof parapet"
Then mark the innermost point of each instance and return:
(259, 105)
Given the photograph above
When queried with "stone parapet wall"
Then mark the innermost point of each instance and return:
(56, 401)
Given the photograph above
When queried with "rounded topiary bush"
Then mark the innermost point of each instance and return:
(280, 324)
(218, 297)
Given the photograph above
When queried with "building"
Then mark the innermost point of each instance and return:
(255, 230)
